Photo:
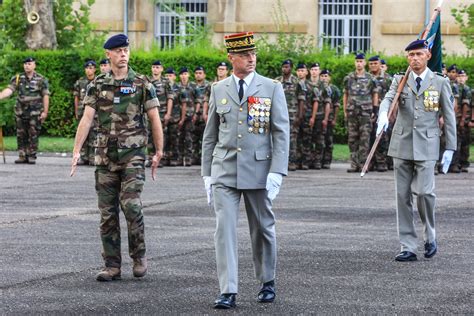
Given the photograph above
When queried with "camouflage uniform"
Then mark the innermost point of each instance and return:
(163, 93)
(87, 150)
(334, 94)
(187, 94)
(291, 89)
(454, 167)
(203, 93)
(172, 136)
(28, 108)
(464, 134)
(359, 110)
(318, 132)
(384, 81)
(120, 156)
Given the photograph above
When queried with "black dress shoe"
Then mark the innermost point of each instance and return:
(405, 256)
(225, 301)
(267, 292)
(430, 249)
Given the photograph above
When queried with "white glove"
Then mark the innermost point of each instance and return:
(446, 160)
(273, 184)
(382, 122)
(207, 186)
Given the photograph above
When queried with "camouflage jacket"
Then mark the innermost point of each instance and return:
(121, 105)
(291, 88)
(80, 89)
(163, 91)
(360, 91)
(188, 94)
(203, 91)
(384, 81)
(310, 93)
(30, 93)
(176, 110)
(465, 95)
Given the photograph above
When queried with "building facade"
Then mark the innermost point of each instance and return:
(349, 25)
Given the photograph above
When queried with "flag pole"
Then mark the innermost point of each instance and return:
(392, 113)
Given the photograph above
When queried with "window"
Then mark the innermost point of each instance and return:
(346, 24)
(177, 20)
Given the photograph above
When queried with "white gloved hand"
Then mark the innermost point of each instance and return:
(273, 184)
(382, 122)
(207, 186)
(446, 160)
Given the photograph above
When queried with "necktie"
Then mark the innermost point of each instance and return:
(241, 89)
(418, 83)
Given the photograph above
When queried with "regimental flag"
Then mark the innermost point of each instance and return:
(434, 44)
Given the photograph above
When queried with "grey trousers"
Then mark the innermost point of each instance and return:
(262, 233)
(414, 178)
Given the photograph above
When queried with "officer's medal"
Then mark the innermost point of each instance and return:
(431, 100)
(258, 117)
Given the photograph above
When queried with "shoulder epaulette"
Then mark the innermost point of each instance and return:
(214, 83)
(401, 73)
(275, 81)
(440, 74)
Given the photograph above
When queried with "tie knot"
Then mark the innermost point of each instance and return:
(241, 82)
(418, 80)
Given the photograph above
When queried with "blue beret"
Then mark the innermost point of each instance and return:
(301, 66)
(222, 64)
(325, 72)
(28, 59)
(170, 70)
(417, 44)
(287, 62)
(183, 69)
(199, 68)
(157, 63)
(374, 58)
(89, 63)
(360, 56)
(453, 67)
(119, 40)
(383, 62)
(314, 65)
(104, 61)
(461, 72)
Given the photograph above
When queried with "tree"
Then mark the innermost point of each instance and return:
(41, 29)
(465, 18)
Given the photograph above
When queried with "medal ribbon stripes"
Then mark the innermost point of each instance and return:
(431, 100)
(258, 117)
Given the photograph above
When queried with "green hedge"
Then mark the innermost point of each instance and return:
(63, 68)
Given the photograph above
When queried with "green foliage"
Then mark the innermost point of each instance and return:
(465, 18)
(73, 27)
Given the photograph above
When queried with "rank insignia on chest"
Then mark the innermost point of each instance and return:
(128, 87)
(258, 117)
(431, 100)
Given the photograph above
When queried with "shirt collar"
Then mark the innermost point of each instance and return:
(422, 75)
(247, 79)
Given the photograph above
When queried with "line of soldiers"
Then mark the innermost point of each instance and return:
(183, 112)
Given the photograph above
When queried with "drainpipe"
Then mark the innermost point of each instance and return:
(125, 17)
(427, 12)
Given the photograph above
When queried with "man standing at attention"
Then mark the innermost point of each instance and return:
(414, 146)
(31, 109)
(121, 98)
(245, 152)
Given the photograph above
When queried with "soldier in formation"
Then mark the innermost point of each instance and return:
(31, 109)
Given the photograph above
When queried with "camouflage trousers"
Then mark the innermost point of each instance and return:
(328, 145)
(464, 148)
(186, 139)
(318, 141)
(198, 132)
(359, 128)
(171, 140)
(305, 145)
(294, 157)
(88, 151)
(28, 129)
(120, 189)
(380, 155)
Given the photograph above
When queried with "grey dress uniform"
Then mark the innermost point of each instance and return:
(244, 141)
(414, 146)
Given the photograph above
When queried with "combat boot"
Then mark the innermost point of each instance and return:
(317, 166)
(174, 163)
(187, 162)
(454, 169)
(31, 160)
(108, 274)
(381, 168)
(21, 159)
(292, 167)
(140, 267)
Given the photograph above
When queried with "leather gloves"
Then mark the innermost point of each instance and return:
(273, 184)
(207, 186)
(446, 160)
(382, 122)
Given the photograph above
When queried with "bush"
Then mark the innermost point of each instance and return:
(63, 68)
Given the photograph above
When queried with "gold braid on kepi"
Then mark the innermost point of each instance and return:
(240, 42)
